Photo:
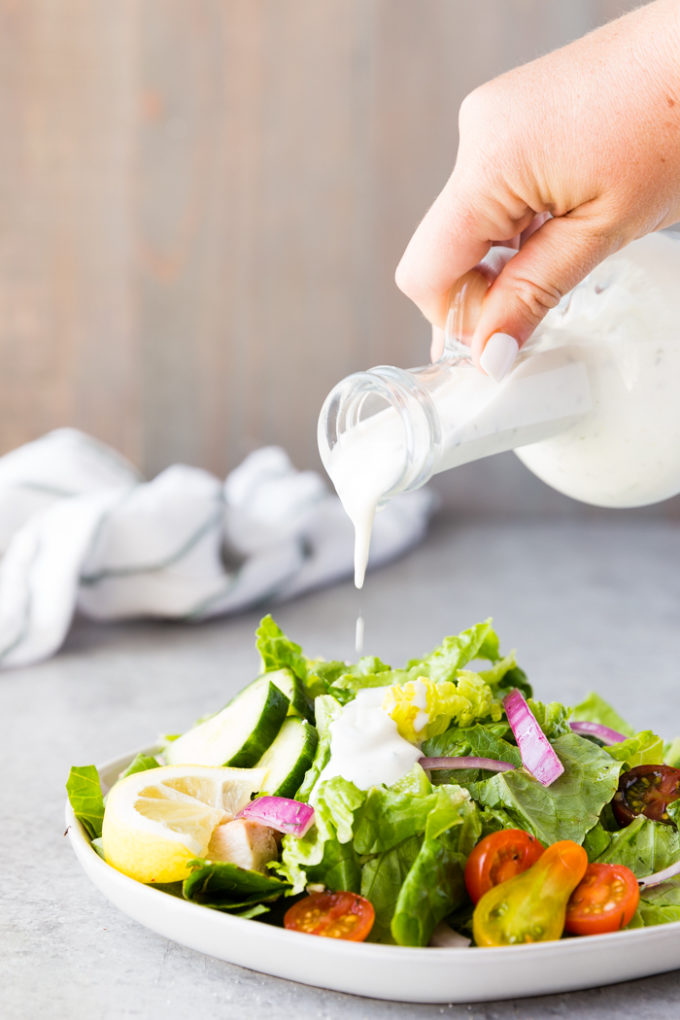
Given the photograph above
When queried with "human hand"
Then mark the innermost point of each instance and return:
(589, 134)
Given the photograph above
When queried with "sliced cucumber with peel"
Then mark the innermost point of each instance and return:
(292, 687)
(288, 758)
(239, 734)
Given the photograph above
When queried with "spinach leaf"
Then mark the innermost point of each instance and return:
(225, 886)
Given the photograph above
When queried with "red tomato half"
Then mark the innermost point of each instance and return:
(646, 790)
(337, 915)
(604, 900)
(497, 857)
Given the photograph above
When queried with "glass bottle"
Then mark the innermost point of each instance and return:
(591, 406)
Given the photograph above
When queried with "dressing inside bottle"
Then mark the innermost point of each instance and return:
(592, 405)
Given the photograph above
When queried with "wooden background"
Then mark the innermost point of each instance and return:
(202, 203)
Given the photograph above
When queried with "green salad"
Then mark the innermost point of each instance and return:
(400, 805)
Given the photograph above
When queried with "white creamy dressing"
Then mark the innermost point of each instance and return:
(366, 747)
(593, 403)
(359, 635)
(420, 701)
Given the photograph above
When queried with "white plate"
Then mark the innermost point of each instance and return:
(382, 972)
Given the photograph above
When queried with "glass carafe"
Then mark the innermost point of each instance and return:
(591, 406)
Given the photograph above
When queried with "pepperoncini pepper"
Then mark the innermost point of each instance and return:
(531, 906)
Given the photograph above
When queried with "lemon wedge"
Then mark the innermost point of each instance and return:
(156, 821)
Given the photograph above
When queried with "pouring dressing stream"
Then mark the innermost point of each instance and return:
(592, 405)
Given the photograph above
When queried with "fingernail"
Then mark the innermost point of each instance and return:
(499, 355)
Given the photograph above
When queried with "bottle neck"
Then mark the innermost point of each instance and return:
(380, 428)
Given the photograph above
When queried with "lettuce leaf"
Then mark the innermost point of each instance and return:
(86, 798)
(478, 642)
(553, 718)
(595, 709)
(659, 905)
(308, 859)
(433, 887)
(382, 877)
(140, 763)
(339, 867)
(277, 651)
(644, 846)
(389, 816)
(414, 883)
(225, 886)
(342, 680)
(466, 700)
(644, 748)
(570, 807)
(671, 754)
(326, 709)
(483, 740)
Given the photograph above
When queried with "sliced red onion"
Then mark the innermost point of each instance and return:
(491, 764)
(660, 876)
(593, 729)
(537, 754)
(280, 813)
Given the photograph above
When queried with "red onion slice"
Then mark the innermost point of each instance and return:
(660, 876)
(491, 764)
(593, 729)
(280, 813)
(537, 754)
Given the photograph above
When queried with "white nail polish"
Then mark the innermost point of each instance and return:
(499, 355)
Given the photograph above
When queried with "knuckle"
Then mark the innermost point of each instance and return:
(475, 106)
(534, 297)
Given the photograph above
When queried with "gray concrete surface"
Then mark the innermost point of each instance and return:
(593, 604)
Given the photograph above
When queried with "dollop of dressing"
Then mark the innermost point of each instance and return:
(366, 747)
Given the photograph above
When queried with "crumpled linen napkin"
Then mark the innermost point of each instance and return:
(81, 530)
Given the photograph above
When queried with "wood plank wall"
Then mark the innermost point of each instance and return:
(202, 203)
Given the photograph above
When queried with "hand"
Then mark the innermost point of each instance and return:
(589, 134)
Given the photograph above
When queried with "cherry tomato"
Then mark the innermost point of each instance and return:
(646, 790)
(498, 857)
(604, 900)
(531, 906)
(337, 915)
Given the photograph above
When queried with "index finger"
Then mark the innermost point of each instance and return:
(449, 241)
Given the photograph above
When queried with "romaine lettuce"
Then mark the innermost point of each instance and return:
(644, 748)
(571, 806)
(86, 798)
(659, 905)
(595, 709)
(644, 846)
(225, 886)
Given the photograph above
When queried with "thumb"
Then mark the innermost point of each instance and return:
(554, 259)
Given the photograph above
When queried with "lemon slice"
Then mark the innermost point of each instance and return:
(156, 821)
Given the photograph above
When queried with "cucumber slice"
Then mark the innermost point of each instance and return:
(288, 758)
(239, 734)
(293, 688)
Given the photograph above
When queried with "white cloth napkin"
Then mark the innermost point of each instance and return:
(81, 530)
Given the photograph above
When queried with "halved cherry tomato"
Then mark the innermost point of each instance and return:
(498, 857)
(646, 790)
(530, 907)
(337, 915)
(604, 900)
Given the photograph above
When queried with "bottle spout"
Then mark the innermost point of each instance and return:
(378, 435)
(378, 432)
